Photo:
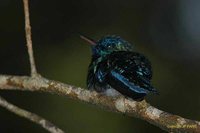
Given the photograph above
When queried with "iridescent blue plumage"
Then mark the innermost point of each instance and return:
(114, 65)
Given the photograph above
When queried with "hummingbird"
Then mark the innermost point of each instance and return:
(116, 69)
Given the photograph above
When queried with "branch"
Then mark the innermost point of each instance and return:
(21, 112)
(142, 110)
(30, 116)
(28, 39)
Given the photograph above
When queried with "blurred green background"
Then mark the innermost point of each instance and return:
(167, 32)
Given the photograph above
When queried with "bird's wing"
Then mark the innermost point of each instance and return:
(129, 73)
(124, 86)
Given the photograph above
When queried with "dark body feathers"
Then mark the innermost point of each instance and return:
(114, 65)
(127, 72)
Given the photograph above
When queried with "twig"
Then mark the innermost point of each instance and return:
(142, 110)
(28, 38)
(30, 116)
(21, 112)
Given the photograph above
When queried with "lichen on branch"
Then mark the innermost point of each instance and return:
(142, 110)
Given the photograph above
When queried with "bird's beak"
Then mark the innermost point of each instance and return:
(87, 39)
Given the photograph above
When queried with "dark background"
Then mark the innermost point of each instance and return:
(167, 32)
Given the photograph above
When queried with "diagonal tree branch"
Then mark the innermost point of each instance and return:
(21, 112)
(142, 110)
(30, 116)
(28, 39)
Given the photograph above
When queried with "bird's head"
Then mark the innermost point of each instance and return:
(107, 45)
